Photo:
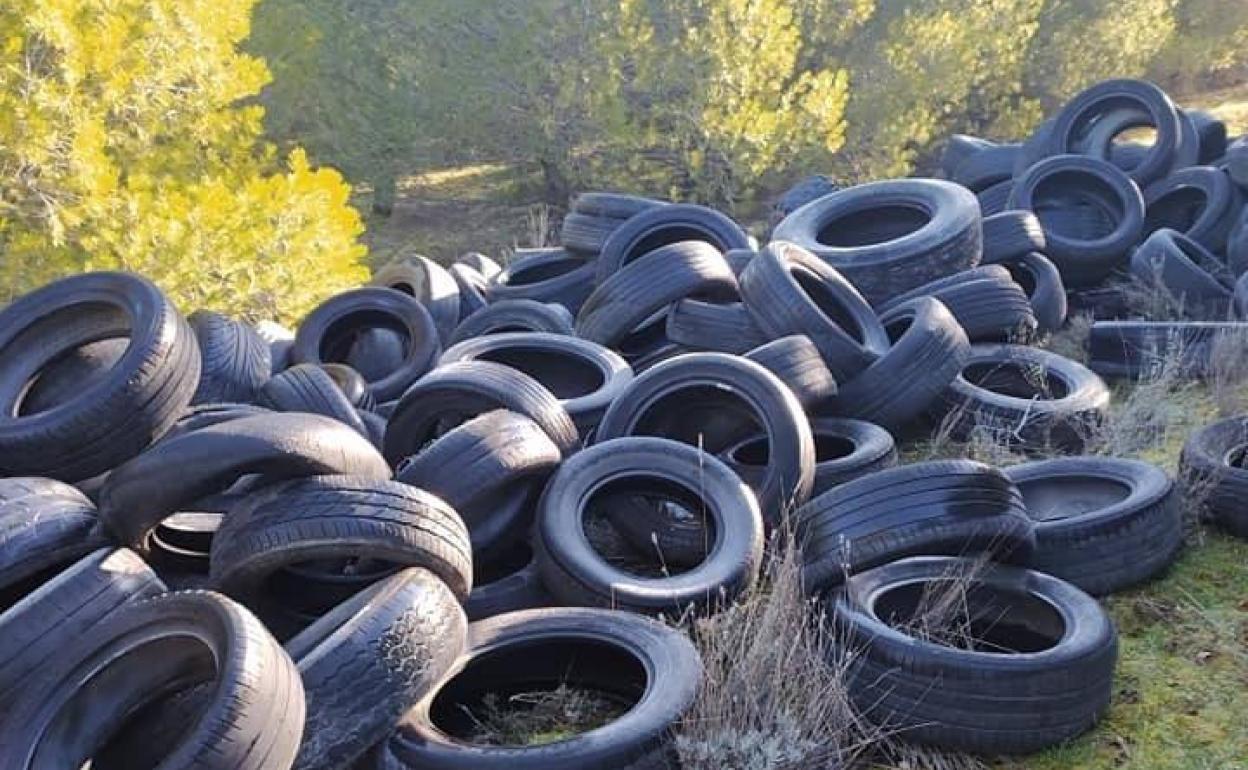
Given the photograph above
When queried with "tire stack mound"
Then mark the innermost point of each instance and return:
(241, 547)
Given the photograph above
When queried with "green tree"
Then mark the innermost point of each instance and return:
(123, 145)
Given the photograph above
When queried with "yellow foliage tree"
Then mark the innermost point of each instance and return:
(126, 143)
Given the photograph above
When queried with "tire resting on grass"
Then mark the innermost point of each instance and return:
(771, 406)
(1024, 397)
(788, 290)
(949, 240)
(465, 389)
(638, 739)
(254, 720)
(929, 348)
(662, 226)
(1139, 349)
(370, 660)
(330, 517)
(69, 605)
(937, 508)
(323, 326)
(429, 284)
(235, 361)
(307, 388)
(1184, 269)
(1107, 544)
(988, 703)
(513, 315)
(575, 573)
(111, 420)
(143, 492)
(798, 364)
(1214, 467)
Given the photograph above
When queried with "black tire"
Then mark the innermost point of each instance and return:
(1147, 104)
(431, 286)
(1236, 162)
(706, 326)
(1024, 397)
(1201, 202)
(334, 333)
(1102, 524)
(490, 470)
(252, 721)
(1186, 271)
(1010, 235)
(307, 388)
(640, 293)
(114, 418)
(480, 263)
(1100, 303)
(375, 428)
(235, 361)
(844, 450)
(584, 376)
(69, 375)
(145, 491)
(799, 365)
(1140, 349)
(473, 288)
(1212, 133)
(996, 199)
(937, 508)
(711, 401)
(613, 205)
(508, 583)
(788, 290)
(324, 518)
(663, 226)
(204, 415)
(515, 315)
(986, 302)
(990, 165)
(584, 234)
(67, 606)
(577, 574)
(545, 275)
(1042, 673)
(377, 351)
(929, 348)
(44, 526)
(370, 660)
(280, 341)
(634, 659)
(1057, 189)
(892, 236)
(454, 393)
(1214, 467)
(352, 385)
(1042, 282)
(958, 148)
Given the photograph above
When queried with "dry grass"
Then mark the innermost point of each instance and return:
(541, 717)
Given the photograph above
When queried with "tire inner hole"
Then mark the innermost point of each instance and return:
(649, 528)
(564, 374)
(1016, 379)
(543, 270)
(1178, 209)
(873, 225)
(666, 236)
(1077, 205)
(372, 342)
(828, 303)
(1070, 496)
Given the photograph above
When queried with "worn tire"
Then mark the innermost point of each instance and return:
(352, 385)
(707, 326)
(1042, 282)
(431, 286)
(986, 302)
(236, 362)
(44, 526)
(545, 275)
(1141, 349)
(509, 583)
(1201, 202)
(1010, 235)
(1185, 270)
(1214, 467)
(473, 288)
(307, 388)
(515, 315)
(799, 365)
(663, 226)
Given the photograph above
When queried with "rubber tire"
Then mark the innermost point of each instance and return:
(1042, 282)
(320, 335)
(370, 660)
(1207, 470)
(235, 361)
(1101, 546)
(1167, 204)
(378, 351)
(464, 389)
(515, 315)
(472, 290)
(929, 348)
(1212, 133)
(936, 508)
(333, 517)
(68, 606)
(120, 415)
(547, 359)
(1186, 271)
(1011, 235)
(1029, 421)
(959, 147)
(1083, 262)
(650, 284)
(576, 574)
(949, 241)
(706, 326)
(585, 234)
(44, 525)
(147, 490)
(871, 449)
(638, 739)
(520, 589)
(482, 264)
(770, 407)
(307, 388)
(663, 226)
(788, 290)
(985, 703)
(986, 302)
(799, 365)
(430, 285)
(204, 415)
(613, 205)
(69, 375)
(254, 720)
(987, 167)
(545, 275)
(1139, 349)
(996, 199)
(352, 385)
(487, 470)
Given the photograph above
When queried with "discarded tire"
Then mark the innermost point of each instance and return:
(1141, 349)
(545, 275)
(798, 364)
(1010, 235)
(662, 226)
(1201, 202)
(236, 362)
(1214, 467)
(1042, 283)
(1186, 271)
(515, 315)
(431, 286)
(706, 326)
(307, 388)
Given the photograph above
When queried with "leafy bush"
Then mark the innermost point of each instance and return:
(125, 144)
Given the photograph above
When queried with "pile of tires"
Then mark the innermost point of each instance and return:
(328, 547)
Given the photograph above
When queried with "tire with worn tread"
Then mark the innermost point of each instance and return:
(235, 361)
